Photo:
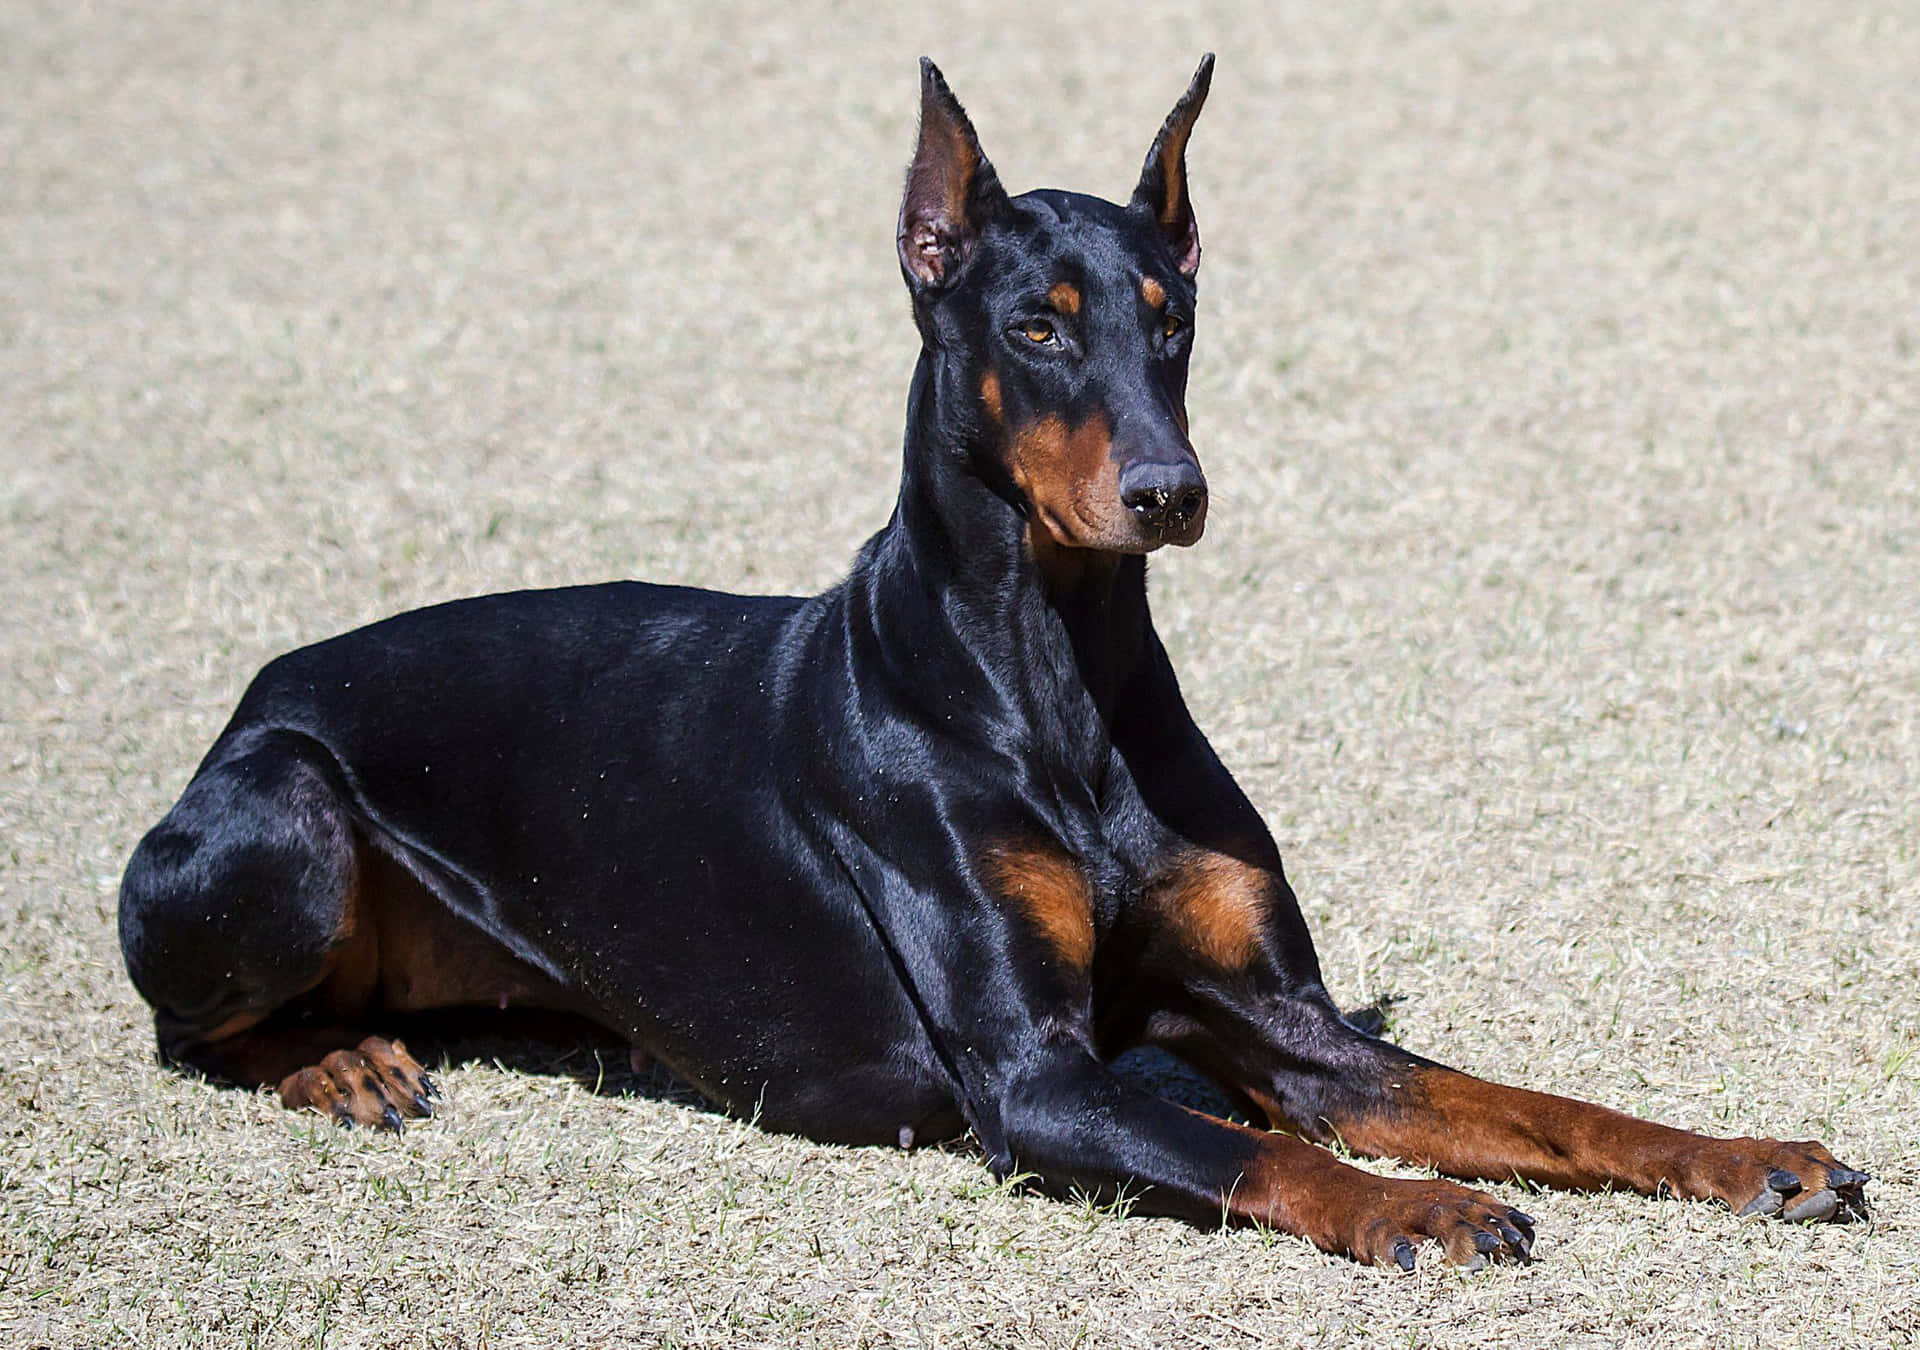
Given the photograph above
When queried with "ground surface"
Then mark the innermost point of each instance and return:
(1560, 606)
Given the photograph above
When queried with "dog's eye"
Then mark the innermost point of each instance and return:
(1170, 326)
(1038, 331)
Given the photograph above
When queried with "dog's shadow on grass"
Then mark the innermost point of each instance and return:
(562, 1046)
(558, 1046)
(552, 1045)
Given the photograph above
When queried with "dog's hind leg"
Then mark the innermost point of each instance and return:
(242, 922)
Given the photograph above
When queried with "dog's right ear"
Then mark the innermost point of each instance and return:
(952, 192)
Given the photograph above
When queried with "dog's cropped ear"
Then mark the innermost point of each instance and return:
(952, 192)
(1163, 182)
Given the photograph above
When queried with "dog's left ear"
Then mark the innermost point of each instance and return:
(1163, 182)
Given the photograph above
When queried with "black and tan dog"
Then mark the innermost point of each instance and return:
(911, 858)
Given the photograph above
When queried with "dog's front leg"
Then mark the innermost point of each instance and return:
(1468, 1127)
(1236, 989)
(1043, 1104)
(1252, 1013)
(1074, 1125)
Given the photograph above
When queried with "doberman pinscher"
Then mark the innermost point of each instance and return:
(915, 857)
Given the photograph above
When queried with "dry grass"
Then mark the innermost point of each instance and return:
(1561, 606)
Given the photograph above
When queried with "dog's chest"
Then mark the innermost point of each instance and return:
(1121, 848)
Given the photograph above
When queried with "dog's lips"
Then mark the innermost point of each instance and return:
(1124, 533)
(1055, 527)
(1074, 527)
(1125, 536)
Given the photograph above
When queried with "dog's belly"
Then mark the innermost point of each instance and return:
(775, 1000)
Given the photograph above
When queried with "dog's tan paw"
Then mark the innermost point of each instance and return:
(376, 1085)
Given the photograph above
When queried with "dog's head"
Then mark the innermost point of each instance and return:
(1063, 323)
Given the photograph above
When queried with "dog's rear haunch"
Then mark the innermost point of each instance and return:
(913, 857)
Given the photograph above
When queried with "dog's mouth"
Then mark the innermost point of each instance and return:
(1118, 529)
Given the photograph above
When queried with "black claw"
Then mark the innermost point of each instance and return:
(391, 1119)
(1520, 1220)
(1517, 1240)
(1780, 1179)
(1846, 1176)
(428, 1086)
(422, 1105)
(1403, 1253)
(1484, 1242)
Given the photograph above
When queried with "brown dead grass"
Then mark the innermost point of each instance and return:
(1558, 387)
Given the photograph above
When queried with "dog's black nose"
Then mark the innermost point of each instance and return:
(1167, 498)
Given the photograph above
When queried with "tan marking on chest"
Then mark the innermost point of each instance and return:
(1049, 886)
(1215, 906)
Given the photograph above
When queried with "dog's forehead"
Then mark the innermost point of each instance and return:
(1055, 232)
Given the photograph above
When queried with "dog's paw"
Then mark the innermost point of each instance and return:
(376, 1085)
(1473, 1229)
(1798, 1181)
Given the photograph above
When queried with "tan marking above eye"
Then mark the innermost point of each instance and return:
(1153, 292)
(1065, 297)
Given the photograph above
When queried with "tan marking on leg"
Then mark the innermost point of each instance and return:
(1215, 906)
(1266, 1104)
(1303, 1189)
(351, 974)
(1153, 292)
(1456, 1123)
(1064, 296)
(1468, 1127)
(1050, 887)
(404, 951)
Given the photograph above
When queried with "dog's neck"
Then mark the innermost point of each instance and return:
(1059, 629)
